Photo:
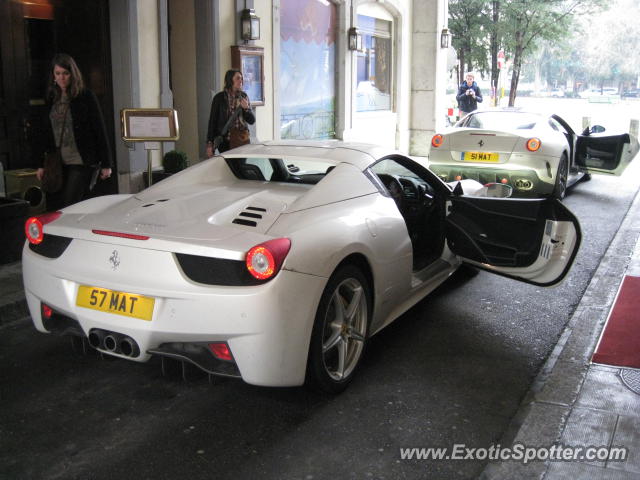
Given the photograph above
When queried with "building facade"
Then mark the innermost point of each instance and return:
(307, 77)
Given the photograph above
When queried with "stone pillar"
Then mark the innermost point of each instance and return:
(428, 74)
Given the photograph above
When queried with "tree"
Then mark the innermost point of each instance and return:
(609, 52)
(468, 24)
(527, 21)
(495, 40)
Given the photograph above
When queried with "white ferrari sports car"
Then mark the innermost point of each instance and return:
(276, 262)
(538, 155)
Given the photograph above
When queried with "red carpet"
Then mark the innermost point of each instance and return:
(620, 343)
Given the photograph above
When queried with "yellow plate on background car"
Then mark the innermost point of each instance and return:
(480, 157)
(120, 303)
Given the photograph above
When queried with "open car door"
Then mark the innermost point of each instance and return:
(605, 154)
(533, 240)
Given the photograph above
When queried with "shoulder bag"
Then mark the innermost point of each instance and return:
(238, 137)
(52, 176)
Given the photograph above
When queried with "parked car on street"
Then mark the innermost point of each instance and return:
(633, 93)
(536, 154)
(601, 95)
(553, 92)
(276, 262)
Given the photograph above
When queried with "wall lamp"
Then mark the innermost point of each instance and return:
(355, 39)
(249, 25)
(445, 38)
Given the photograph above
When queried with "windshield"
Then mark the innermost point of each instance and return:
(500, 120)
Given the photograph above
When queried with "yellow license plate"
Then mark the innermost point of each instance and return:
(120, 303)
(480, 157)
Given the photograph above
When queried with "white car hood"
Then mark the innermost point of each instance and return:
(195, 219)
(198, 212)
(191, 212)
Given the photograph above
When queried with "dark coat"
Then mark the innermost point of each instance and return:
(89, 131)
(220, 114)
(467, 103)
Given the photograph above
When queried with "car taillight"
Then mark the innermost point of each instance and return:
(132, 236)
(221, 351)
(533, 144)
(33, 227)
(47, 311)
(437, 140)
(264, 261)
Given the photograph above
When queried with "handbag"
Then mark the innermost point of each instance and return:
(238, 137)
(52, 178)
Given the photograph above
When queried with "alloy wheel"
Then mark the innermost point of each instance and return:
(345, 327)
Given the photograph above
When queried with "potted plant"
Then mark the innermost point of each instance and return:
(172, 162)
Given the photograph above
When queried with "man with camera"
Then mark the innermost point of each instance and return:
(468, 95)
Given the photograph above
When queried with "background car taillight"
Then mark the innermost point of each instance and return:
(264, 260)
(437, 140)
(533, 144)
(33, 227)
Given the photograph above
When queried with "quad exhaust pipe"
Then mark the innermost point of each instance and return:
(110, 343)
(113, 342)
(128, 346)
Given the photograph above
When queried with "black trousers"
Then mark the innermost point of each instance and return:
(76, 186)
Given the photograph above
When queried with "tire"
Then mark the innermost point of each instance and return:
(560, 190)
(340, 329)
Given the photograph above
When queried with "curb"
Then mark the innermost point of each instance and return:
(13, 304)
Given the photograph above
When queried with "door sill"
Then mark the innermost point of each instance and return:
(430, 273)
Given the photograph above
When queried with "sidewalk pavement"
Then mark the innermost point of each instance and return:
(572, 401)
(13, 305)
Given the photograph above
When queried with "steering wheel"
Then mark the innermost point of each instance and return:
(427, 197)
(419, 197)
(394, 187)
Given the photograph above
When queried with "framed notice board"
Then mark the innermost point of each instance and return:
(149, 125)
(250, 61)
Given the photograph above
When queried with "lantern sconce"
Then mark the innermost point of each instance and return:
(250, 25)
(445, 38)
(355, 39)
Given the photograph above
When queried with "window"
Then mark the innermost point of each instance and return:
(490, 120)
(391, 167)
(373, 78)
(307, 69)
(288, 170)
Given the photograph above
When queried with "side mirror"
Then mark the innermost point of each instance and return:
(595, 129)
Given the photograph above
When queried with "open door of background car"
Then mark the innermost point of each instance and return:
(533, 240)
(605, 154)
